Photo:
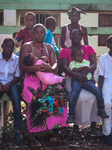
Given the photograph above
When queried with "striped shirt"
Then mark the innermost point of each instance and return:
(75, 64)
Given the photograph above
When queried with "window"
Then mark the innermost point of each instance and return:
(1, 17)
(105, 20)
(40, 17)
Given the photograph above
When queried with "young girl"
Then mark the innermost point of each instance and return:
(74, 16)
(47, 78)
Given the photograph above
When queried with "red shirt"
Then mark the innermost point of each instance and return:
(24, 35)
(87, 51)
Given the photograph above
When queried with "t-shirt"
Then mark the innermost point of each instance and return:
(50, 40)
(87, 51)
(75, 64)
(24, 35)
(105, 68)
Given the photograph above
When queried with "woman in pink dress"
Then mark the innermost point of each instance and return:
(46, 105)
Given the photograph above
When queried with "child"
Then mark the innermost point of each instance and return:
(82, 66)
(105, 84)
(47, 78)
(74, 16)
(51, 25)
(25, 34)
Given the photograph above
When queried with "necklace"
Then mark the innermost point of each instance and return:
(41, 49)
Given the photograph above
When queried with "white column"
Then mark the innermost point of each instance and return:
(9, 17)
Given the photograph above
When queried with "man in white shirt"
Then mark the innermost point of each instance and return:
(9, 77)
(105, 84)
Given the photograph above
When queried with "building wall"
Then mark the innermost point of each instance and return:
(11, 19)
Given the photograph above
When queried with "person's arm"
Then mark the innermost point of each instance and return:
(93, 63)
(26, 48)
(19, 37)
(63, 36)
(101, 72)
(1, 86)
(52, 67)
(81, 69)
(17, 44)
(85, 37)
(100, 82)
(64, 63)
(7, 85)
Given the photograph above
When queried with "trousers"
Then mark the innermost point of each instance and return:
(107, 95)
(76, 89)
(14, 96)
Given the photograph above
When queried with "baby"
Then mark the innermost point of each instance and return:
(47, 78)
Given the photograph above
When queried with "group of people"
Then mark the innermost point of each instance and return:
(41, 88)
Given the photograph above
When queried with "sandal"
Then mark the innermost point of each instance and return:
(34, 143)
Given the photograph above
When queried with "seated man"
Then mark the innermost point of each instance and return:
(9, 77)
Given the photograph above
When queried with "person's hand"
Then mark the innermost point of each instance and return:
(6, 87)
(84, 72)
(45, 67)
(17, 44)
(87, 68)
(81, 78)
(1, 86)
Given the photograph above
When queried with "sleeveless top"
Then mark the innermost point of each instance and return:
(47, 61)
(68, 41)
(45, 49)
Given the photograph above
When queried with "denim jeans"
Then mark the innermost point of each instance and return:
(76, 89)
(14, 96)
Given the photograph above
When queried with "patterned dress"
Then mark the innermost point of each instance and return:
(46, 104)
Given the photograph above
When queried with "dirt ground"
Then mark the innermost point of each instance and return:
(84, 141)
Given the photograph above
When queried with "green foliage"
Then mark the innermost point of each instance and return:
(8, 129)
